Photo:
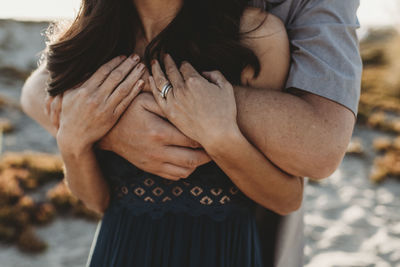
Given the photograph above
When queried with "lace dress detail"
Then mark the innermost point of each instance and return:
(207, 191)
(203, 220)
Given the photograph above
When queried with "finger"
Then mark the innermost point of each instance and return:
(174, 137)
(152, 106)
(174, 76)
(189, 71)
(123, 105)
(173, 172)
(216, 77)
(126, 86)
(186, 157)
(171, 136)
(48, 100)
(102, 73)
(54, 111)
(158, 74)
(118, 74)
(58, 109)
(157, 96)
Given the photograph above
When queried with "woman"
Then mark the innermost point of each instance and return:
(207, 218)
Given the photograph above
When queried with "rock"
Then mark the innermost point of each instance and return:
(5, 125)
(396, 143)
(61, 197)
(44, 213)
(382, 143)
(355, 147)
(378, 174)
(28, 241)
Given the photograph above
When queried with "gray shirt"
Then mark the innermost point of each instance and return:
(325, 61)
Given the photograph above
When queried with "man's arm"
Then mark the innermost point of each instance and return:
(306, 135)
(305, 131)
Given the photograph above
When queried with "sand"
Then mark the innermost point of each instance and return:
(349, 221)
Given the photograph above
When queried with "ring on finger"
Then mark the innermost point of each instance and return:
(166, 88)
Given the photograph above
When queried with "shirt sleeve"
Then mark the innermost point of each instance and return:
(325, 50)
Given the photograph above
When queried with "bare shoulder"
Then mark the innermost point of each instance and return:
(266, 35)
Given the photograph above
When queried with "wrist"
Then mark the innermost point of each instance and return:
(73, 148)
(220, 142)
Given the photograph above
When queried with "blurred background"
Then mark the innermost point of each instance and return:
(352, 218)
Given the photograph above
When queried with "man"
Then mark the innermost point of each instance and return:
(305, 129)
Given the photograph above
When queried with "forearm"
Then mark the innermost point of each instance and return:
(294, 134)
(33, 97)
(85, 180)
(255, 175)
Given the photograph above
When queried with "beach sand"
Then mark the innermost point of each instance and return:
(349, 220)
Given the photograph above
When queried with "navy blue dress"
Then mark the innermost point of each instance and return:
(203, 220)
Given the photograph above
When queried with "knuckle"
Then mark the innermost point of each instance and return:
(93, 102)
(191, 81)
(116, 75)
(160, 81)
(170, 69)
(124, 88)
(83, 92)
(105, 69)
(155, 134)
(191, 163)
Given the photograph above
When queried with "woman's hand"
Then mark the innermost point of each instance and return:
(53, 109)
(91, 110)
(201, 109)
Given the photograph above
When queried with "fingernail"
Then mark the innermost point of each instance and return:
(135, 57)
(153, 61)
(140, 67)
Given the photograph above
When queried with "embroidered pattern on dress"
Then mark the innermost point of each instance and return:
(150, 191)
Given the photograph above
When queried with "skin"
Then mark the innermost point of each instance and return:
(205, 111)
(89, 112)
(284, 116)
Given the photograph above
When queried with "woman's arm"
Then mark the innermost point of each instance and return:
(87, 113)
(84, 178)
(206, 112)
(254, 174)
(33, 98)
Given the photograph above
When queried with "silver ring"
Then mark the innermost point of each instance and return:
(165, 90)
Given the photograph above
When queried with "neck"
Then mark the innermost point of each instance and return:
(156, 15)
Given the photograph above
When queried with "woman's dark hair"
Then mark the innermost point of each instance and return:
(205, 33)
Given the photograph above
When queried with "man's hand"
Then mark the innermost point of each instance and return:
(143, 137)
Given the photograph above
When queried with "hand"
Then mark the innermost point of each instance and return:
(202, 110)
(53, 109)
(91, 110)
(151, 143)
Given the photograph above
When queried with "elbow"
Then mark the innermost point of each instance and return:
(291, 201)
(25, 101)
(99, 206)
(325, 165)
(290, 205)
